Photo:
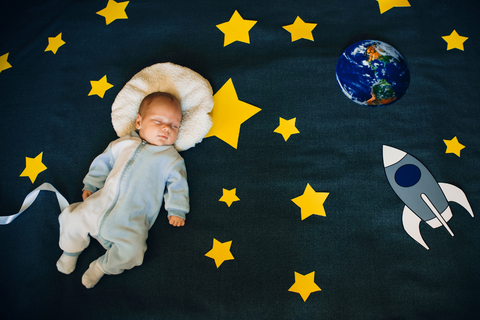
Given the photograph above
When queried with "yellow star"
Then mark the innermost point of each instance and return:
(287, 128)
(220, 252)
(386, 5)
(228, 114)
(455, 41)
(54, 43)
(4, 65)
(236, 29)
(304, 285)
(33, 167)
(99, 87)
(113, 11)
(300, 29)
(229, 196)
(311, 202)
(453, 146)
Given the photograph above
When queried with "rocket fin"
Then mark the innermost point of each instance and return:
(455, 194)
(411, 224)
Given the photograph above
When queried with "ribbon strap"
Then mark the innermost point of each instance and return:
(30, 198)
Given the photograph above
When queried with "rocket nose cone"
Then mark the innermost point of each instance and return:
(392, 155)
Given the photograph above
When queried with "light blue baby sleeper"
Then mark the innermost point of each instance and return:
(128, 182)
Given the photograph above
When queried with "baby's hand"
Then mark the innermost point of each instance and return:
(86, 194)
(176, 221)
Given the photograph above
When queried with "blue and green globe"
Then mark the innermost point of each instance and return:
(372, 73)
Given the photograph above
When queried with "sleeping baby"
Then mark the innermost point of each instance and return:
(123, 193)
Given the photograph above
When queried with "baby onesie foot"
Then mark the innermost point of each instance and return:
(91, 277)
(66, 264)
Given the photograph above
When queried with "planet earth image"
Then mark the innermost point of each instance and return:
(372, 73)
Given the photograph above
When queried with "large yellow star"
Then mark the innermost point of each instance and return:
(228, 114)
(287, 128)
(220, 252)
(99, 87)
(54, 43)
(304, 285)
(453, 146)
(33, 167)
(311, 202)
(236, 29)
(229, 196)
(113, 11)
(4, 65)
(386, 5)
(300, 29)
(455, 41)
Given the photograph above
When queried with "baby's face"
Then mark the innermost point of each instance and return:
(160, 122)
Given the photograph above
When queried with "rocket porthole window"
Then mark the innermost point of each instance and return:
(407, 175)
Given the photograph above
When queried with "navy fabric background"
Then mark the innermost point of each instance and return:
(364, 262)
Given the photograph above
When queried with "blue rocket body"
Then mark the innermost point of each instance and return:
(410, 179)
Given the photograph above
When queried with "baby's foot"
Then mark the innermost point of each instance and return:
(66, 264)
(91, 277)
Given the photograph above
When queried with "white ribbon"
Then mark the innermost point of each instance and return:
(30, 198)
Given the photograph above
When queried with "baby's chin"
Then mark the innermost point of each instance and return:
(161, 142)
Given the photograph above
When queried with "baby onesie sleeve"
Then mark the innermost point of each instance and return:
(99, 170)
(176, 192)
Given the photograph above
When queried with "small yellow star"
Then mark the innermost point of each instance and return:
(300, 29)
(33, 167)
(113, 11)
(455, 41)
(304, 285)
(220, 252)
(287, 128)
(236, 29)
(453, 146)
(54, 43)
(229, 196)
(99, 87)
(228, 114)
(4, 65)
(311, 202)
(386, 5)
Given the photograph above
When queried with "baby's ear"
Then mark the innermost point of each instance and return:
(138, 121)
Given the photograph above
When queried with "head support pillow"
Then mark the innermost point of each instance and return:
(192, 91)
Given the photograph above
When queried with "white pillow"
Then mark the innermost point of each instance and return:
(191, 89)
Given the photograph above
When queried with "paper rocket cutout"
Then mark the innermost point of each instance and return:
(425, 199)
